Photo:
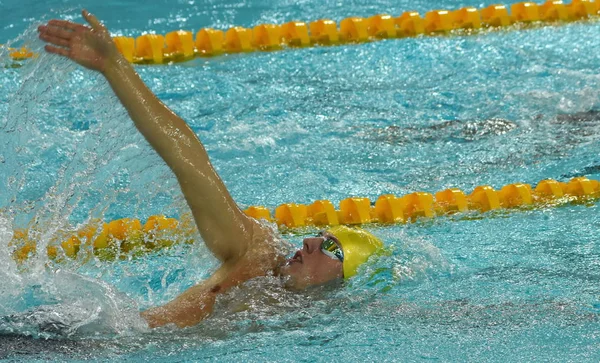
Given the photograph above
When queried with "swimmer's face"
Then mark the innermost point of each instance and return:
(313, 264)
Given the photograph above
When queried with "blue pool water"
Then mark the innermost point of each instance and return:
(394, 116)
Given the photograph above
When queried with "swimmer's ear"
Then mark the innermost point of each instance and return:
(93, 21)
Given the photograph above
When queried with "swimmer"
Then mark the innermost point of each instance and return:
(246, 248)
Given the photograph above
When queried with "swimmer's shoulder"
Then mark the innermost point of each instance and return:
(264, 254)
(266, 246)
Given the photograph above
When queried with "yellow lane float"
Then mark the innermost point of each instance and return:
(180, 45)
(120, 238)
(126, 237)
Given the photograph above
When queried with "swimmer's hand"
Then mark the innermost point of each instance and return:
(92, 47)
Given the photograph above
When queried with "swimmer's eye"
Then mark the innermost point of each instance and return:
(331, 248)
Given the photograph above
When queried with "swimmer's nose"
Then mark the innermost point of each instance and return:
(312, 244)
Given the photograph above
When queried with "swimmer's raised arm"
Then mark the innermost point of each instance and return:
(246, 248)
(225, 229)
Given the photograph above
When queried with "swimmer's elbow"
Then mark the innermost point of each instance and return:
(157, 320)
(154, 318)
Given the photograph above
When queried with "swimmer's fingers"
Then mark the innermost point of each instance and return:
(90, 47)
(93, 21)
(49, 31)
(47, 37)
(57, 50)
(65, 25)
(60, 32)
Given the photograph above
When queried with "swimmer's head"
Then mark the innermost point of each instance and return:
(358, 245)
(334, 254)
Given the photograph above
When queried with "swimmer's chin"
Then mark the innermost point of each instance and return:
(292, 282)
(288, 278)
(284, 275)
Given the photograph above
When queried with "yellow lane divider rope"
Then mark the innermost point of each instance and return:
(127, 237)
(20, 53)
(180, 45)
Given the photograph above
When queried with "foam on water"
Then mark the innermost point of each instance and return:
(57, 162)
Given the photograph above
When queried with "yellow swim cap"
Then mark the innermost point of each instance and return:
(358, 245)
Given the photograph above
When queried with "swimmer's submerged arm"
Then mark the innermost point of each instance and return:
(226, 230)
(193, 306)
(197, 302)
(188, 309)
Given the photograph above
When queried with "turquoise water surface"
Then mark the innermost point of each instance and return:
(394, 116)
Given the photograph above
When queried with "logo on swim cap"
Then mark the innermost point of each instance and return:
(358, 245)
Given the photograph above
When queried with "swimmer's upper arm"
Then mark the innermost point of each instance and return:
(225, 229)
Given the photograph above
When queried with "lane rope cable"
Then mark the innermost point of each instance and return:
(126, 237)
(180, 45)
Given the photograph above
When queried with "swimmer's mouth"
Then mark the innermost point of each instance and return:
(297, 258)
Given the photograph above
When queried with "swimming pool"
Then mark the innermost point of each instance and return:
(394, 116)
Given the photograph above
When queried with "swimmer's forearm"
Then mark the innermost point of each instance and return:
(165, 131)
(188, 309)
